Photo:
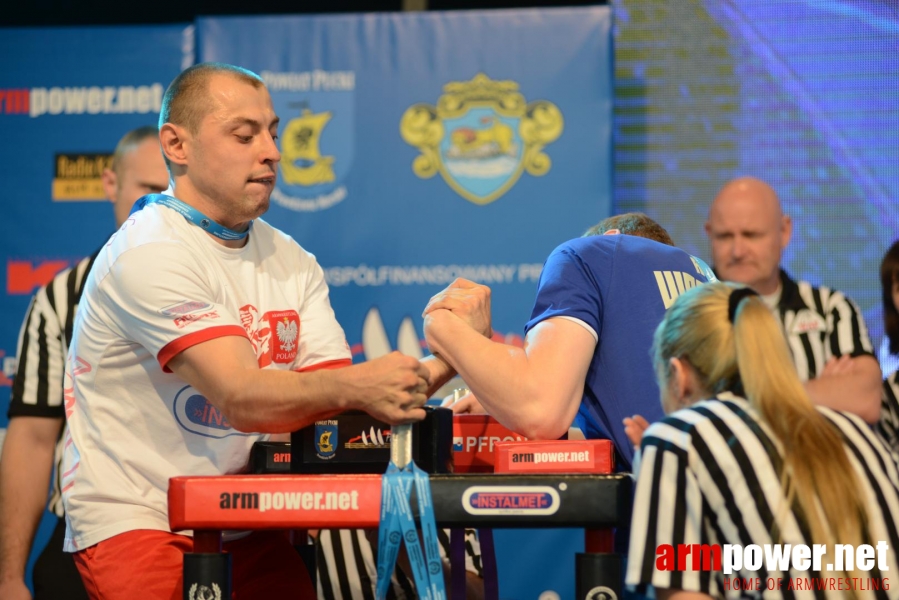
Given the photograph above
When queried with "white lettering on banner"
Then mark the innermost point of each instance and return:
(10, 364)
(554, 457)
(309, 204)
(308, 501)
(96, 100)
(479, 444)
(365, 275)
(306, 81)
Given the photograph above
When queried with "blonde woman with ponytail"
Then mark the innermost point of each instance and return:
(744, 458)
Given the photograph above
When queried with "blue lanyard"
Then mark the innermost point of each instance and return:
(398, 524)
(193, 215)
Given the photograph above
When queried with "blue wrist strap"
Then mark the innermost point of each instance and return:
(398, 524)
(193, 215)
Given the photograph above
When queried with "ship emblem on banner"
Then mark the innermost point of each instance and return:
(481, 136)
(326, 439)
(316, 143)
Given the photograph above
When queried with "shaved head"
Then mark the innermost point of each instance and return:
(748, 189)
(188, 100)
(748, 233)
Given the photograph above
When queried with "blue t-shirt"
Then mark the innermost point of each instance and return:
(619, 286)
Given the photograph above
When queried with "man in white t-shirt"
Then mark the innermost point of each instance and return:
(202, 329)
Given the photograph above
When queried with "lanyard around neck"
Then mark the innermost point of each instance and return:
(193, 215)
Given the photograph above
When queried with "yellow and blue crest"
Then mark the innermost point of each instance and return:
(316, 138)
(326, 439)
(481, 136)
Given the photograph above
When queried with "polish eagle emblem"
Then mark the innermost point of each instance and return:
(287, 334)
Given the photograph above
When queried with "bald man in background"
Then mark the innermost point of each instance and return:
(748, 233)
(36, 415)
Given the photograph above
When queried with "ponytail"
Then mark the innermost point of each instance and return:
(743, 350)
(816, 471)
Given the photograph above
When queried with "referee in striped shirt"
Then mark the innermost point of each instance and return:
(889, 281)
(347, 566)
(36, 416)
(745, 458)
(825, 330)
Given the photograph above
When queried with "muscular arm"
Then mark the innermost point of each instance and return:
(534, 390)
(225, 371)
(439, 372)
(25, 469)
(856, 389)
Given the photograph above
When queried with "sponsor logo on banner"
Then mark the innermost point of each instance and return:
(77, 176)
(481, 136)
(92, 100)
(196, 414)
(376, 439)
(24, 276)
(326, 439)
(510, 500)
(316, 133)
(9, 364)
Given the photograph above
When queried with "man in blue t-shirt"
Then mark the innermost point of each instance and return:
(586, 356)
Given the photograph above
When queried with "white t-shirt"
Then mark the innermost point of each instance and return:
(160, 286)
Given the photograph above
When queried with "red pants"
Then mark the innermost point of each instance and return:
(147, 564)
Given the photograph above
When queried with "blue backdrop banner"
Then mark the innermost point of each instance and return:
(423, 147)
(419, 148)
(66, 97)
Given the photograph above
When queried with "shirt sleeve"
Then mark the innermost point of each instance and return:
(568, 288)
(41, 353)
(848, 334)
(668, 510)
(156, 296)
(888, 424)
(322, 342)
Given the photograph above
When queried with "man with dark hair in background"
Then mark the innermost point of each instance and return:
(36, 415)
(748, 233)
(586, 354)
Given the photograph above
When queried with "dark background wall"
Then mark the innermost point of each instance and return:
(105, 12)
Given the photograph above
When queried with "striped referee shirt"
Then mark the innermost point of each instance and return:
(710, 474)
(43, 342)
(888, 425)
(820, 324)
(348, 570)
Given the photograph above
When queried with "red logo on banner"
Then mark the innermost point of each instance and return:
(5, 381)
(23, 277)
(14, 102)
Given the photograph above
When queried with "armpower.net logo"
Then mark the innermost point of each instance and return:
(785, 565)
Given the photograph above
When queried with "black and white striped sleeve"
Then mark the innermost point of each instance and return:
(346, 565)
(43, 343)
(848, 334)
(37, 387)
(668, 510)
(888, 425)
